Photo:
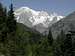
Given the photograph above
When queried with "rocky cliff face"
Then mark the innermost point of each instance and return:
(66, 24)
(39, 20)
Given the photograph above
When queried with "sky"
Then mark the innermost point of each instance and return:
(61, 7)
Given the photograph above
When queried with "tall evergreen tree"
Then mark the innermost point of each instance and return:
(73, 43)
(11, 31)
(3, 27)
(64, 45)
(1, 16)
(58, 50)
(11, 22)
(68, 45)
(50, 38)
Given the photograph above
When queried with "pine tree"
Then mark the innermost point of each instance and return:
(11, 22)
(50, 38)
(1, 16)
(3, 27)
(68, 45)
(73, 45)
(58, 50)
(64, 45)
(11, 31)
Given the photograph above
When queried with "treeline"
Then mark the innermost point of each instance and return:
(16, 41)
(7, 29)
(7, 22)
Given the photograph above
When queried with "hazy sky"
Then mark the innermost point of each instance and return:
(63, 7)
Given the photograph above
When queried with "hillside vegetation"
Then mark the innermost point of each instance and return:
(18, 40)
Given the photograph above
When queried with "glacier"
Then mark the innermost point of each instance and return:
(33, 18)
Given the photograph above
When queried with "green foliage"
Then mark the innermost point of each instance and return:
(18, 40)
(64, 45)
(11, 22)
(2, 23)
(50, 37)
(5, 37)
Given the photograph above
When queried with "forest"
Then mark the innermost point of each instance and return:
(18, 40)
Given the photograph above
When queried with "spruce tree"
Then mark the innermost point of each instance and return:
(11, 31)
(3, 27)
(50, 38)
(68, 45)
(11, 22)
(59, 44)
(1, 16)
(64, 45)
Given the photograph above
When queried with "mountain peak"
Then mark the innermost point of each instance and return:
(31, 18)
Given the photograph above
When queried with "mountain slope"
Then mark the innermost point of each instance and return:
(21, 29)
(66, 24)
(32, 18)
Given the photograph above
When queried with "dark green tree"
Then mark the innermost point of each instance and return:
(3, 27)
(64, 45)
(11, 22)
(59, 44)
(68, 45)
(73, 41)
(11, 31)
(50, 38)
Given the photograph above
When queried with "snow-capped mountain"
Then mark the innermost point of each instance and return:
(36, 19)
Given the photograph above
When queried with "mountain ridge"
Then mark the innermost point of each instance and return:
(66, 24)
(32, 18)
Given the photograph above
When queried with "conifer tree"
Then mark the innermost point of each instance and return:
(1, 15)
(68, 45)
(50, 38)
(58, 50)
(3, 27)
(11, 22)
(64, 45)
(11, 31)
